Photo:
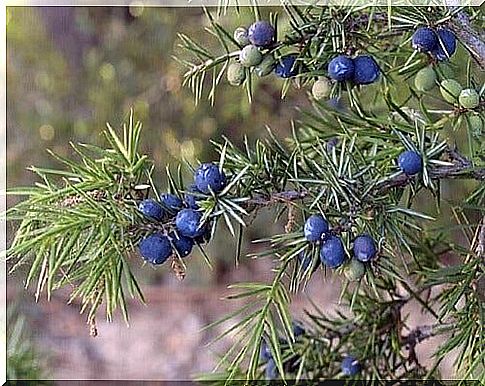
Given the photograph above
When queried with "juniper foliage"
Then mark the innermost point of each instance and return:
(79, 226)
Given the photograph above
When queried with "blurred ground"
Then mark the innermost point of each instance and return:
(69, 71)
(164, 339)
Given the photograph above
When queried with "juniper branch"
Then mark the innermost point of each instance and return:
(471, 39)
(462, 168)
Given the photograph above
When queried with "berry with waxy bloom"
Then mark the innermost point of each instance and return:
(241, 36)
(450, 90)
(350, 366)
(183, 245)
(250, 56)
(209, 178)
(445, 45)
(476, 125)
(191, 199)
(469, 98)
(315, 228)
(236, 74)
(354, 270)
(155, 248)
(341, 68)
(171, 202)
(321, 88)
(410, 162)
(364, 248)
(265, 352)
(424, 39)
(188, 223)
(271, 372)
(151, 208)
(298, 329)
(332, 252)
(266, 66)
(261, 33)
(366, 70)
(305, 260)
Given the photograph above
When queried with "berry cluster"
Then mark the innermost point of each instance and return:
(363, 69)
(440, 43)
(452, 92)
(467, 99)
(181, 219)
(255, 54)
(332, 252)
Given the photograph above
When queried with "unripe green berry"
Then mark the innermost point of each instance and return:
(236, 74)
(450, 90)
(321, 89)
(354, 270)
(425, 79)
(476, 125)
(250, 56)
(469, 98)
(241, 36)
(266, 66)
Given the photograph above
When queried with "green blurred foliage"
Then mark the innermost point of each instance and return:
(66, 79)
(24, 361)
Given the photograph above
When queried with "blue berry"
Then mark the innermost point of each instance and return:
(271, 372)
(151, 208)
(445, 45)
(261, 33)
(286, 68)
(350, 366)
(410, 162)
(332, 252)
(315, 228)
(155, 248)
(209, 178)
(172, 202)
(364, 248)
(188, 223)
(424, 39)
(298, 330)
(366, 70)
(183, 245)
(191, 199)
(341, 68)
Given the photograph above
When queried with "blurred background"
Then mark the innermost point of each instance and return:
(71, 70)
